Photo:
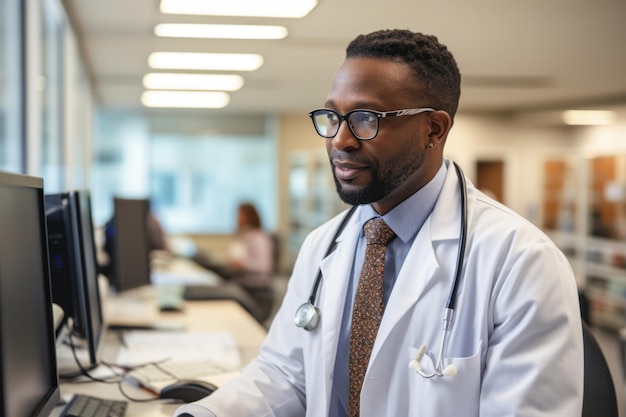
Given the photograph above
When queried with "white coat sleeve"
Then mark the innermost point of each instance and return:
(272, 385)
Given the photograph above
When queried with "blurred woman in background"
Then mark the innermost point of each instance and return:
(250, 262)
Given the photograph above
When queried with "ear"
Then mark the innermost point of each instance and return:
(440, 124)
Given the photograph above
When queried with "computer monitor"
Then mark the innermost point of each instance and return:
(73, 265)
(29, 385)
(127, 242)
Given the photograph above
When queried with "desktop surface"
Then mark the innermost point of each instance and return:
(209, 316)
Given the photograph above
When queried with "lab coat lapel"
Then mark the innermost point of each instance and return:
(336, 269)
(410, 284)
(421, 265)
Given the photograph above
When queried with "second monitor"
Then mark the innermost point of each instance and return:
(73, 265)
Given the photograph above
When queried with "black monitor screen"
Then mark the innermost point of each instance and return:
(28, 373)
(73, 264)
(128, 244)
(90, 266)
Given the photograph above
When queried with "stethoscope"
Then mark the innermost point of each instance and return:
(308, 315)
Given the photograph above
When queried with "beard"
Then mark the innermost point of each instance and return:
(385, 178)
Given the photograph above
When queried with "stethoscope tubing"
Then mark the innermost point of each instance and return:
(331, 248)
(308, 315)
(460, 258)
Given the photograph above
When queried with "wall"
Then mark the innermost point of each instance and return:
(523, 148)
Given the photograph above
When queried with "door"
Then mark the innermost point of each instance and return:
(490, 178)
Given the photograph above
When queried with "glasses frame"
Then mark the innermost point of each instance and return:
(379, 115)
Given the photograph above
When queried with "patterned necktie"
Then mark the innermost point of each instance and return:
(368, 307)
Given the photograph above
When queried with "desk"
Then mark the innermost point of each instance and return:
(218, 316)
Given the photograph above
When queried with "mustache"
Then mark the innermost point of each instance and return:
(338, 155)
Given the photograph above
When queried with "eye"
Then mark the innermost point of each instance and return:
(332, 117)
(364, 118)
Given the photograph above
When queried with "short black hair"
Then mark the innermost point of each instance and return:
(431, 62)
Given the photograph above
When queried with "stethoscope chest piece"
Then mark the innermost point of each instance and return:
(307, 316)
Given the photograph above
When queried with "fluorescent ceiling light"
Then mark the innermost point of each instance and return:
(177, 81)
(185, 99)
(205, 61)
(256, 8)
(589, 117)
(198, 30)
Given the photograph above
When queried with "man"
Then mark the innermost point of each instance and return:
(514, 347)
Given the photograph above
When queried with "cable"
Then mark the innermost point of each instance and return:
(118, 378)
(137, 400)
(84, 371)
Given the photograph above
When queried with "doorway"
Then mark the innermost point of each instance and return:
(490, 178)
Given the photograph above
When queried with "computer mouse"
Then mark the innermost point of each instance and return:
(188, 390)
(171, 308)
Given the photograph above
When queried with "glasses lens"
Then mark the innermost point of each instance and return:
(364, 124)
(326, 123)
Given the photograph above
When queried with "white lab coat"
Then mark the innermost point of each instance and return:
(516, 339)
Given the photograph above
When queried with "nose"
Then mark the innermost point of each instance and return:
(345, 139)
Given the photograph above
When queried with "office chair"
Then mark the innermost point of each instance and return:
(599, 398)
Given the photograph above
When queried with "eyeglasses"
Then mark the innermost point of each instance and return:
(363, 124)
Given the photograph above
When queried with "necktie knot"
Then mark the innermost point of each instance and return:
(377, 232)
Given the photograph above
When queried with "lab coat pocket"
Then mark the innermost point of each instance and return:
(457, 393)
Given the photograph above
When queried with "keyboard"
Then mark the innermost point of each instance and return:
(175, 370)
(87, 406)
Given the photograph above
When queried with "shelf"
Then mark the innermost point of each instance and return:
(594, 269)
(607, 309)
(584, 202)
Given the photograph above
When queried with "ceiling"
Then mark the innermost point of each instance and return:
(513, 56)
